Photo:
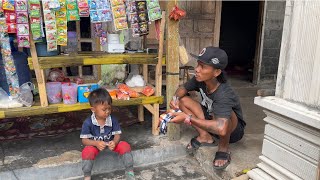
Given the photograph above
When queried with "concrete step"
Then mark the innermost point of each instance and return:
(105, 162)
(183, 168)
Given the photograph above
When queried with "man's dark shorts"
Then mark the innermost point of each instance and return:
(236, 134)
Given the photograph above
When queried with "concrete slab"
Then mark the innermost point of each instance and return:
(59, 157)
(184, 168)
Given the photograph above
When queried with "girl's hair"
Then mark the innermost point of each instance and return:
(222, 78)
(99, 96)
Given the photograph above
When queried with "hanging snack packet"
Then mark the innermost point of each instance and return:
(119, 11)
(62, 25)
(154, 11)
(100, 11)
(72, 10)
(8, 5)
(10, 16)
(35, 22)
(135, 30)
(116, 2)
(54, 5)
(23, 41)
(121, 23)
(49, 17)
(154, 14)
(104, 15)
(83, 8)
(22, 5)
(152, 4)
(22, 17)
(144, 29)
(94, 16)
(119, 14)
(93, 4)
(23, 29)
(1, 10)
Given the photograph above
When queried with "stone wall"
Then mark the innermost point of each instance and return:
(273, 25)
(197, 28)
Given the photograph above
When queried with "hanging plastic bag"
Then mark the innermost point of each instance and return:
(25, 96)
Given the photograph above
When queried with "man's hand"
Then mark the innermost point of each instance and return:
(111, 145)
(101, 145)
(178, 117)
(174, 103)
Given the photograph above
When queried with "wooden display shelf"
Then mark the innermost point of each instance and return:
(60, 108)
(95, 58)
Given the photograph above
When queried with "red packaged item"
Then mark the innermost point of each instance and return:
(10, 16)
(78, 80)
(12, 28)
(133, 93)
(122, 96)
(148, 91)
(113, 94)
(123, 88)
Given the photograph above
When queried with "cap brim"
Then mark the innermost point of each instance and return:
(199, 59)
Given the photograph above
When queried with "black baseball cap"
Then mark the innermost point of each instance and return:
(213, 56)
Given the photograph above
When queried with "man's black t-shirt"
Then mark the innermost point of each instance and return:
(220, 103)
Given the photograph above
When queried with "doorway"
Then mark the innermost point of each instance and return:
(239, 36)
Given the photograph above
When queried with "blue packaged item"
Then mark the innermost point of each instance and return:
(84, 91)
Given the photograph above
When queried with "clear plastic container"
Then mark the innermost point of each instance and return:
(54, 92)
(69, 93)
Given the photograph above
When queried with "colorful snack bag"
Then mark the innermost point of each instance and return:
(35, 21)
(100, 11)
(8, 5)
(121, 23)
(119, 14)
(119, 11)
(23, 36)
(116, 2)
(62, 25)
(83, 8)
(72, 10)
(51, 25)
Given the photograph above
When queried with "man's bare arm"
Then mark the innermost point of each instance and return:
(217, 126)
(181, 92)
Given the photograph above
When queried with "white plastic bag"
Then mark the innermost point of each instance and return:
(6, 102)
(25, 96)
(135, 80)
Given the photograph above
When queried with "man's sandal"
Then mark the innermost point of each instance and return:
(222, 156)
(195, 144)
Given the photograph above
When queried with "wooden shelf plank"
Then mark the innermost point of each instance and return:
(59, 108)
(2, 114)
(95, 59)
(28, 111)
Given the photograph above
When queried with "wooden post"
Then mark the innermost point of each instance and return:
(145, 72)
(146, 79)
(158, 78)
(217, 23)
(39, 74)
(79, 45)
(172, 68)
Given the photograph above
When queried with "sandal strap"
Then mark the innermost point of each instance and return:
(222, 156)
(195, 143)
